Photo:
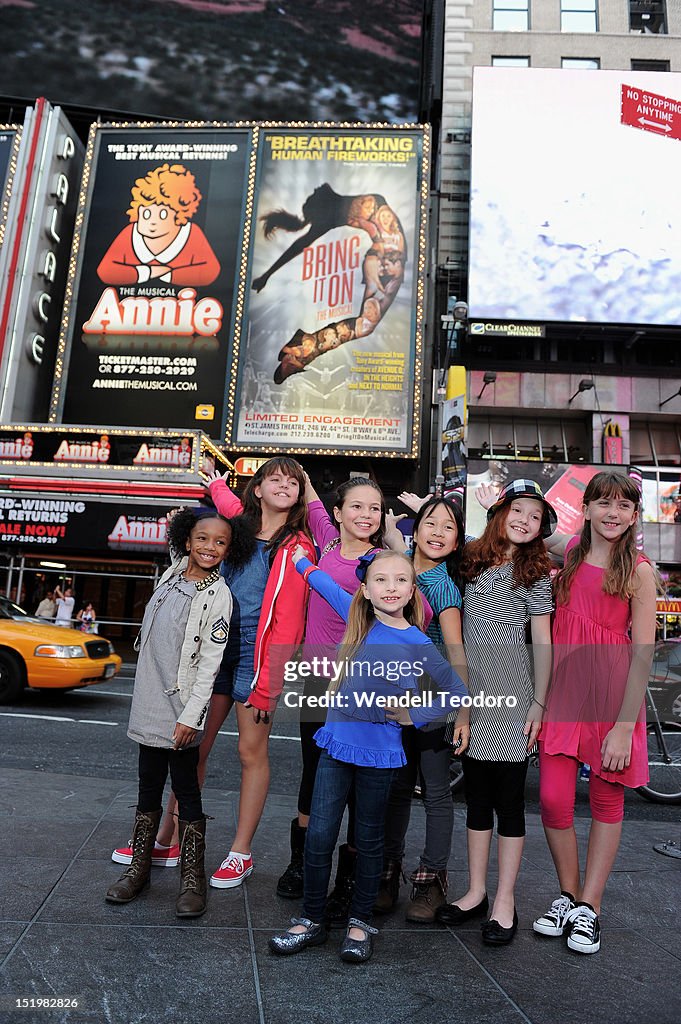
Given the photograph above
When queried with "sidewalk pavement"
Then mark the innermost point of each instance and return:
(138, 963)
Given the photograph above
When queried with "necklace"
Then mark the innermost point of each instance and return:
(208, 580)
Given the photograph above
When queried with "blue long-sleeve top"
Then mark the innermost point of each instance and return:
(390, 662)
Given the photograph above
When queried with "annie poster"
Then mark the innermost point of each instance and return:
(145, 338)
(331, 342)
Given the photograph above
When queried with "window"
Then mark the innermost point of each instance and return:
(647, 18)
(510, 62)
(650, 65)
(654, 444)
(578, 16)
(581, 63)
(544, 439)
(511, 15)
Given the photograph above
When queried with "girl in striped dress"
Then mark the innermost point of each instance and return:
(508, 586)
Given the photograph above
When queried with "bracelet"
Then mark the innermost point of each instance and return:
(542, 706)
(306, 572)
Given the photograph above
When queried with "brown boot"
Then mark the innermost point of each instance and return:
(426, 897)
(389, 890)
(191, 900)
(136, 877)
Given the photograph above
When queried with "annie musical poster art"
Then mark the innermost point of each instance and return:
(146, 336)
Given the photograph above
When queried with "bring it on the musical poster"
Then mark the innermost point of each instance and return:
(148, 328)
(328, 351)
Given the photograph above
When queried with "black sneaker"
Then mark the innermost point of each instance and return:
(585, 936)
(557, 918)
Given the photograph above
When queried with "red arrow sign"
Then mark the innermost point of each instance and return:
(650, 112)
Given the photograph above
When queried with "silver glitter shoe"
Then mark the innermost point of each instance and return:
(358, 951)
(293, 942)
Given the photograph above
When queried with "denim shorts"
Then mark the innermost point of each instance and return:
(236, 671)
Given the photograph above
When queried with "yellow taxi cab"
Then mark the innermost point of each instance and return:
(35, 653)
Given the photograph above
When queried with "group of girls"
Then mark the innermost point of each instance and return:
(587, 708)
(206, 645)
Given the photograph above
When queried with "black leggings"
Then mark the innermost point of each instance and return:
(154, 763)
(310, 754)
(495, 786)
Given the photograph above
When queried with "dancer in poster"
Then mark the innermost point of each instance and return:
(161, 243)
(382, 267)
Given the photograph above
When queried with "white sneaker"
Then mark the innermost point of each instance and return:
(585, 936)
(557, 917)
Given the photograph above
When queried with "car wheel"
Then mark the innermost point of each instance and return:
(11, 681)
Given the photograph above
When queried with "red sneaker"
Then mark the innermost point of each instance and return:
(161, 857)
(233, 870)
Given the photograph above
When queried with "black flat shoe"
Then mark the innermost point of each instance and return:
(358, 951)
(292, 942)
(494, 935)
(451, 915)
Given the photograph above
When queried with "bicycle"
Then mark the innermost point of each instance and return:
(664, 757)
(664, 760)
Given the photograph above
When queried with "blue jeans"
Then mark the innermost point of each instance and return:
(332, 786)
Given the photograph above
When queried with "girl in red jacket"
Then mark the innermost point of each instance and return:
(272, 521)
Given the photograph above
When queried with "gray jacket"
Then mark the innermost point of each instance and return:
(204, 643)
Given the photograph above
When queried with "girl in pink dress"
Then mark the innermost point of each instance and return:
(603, 636)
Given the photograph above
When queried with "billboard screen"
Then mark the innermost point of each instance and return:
(330, 350)
(153, 276)
(661, 495)
(562, 483)
(573, 180)
(224, 60)
(67, 523)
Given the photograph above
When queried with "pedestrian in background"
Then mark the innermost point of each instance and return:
(47, 607)
(87, 618)
(65, 605)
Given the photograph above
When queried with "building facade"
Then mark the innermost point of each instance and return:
(557, 398)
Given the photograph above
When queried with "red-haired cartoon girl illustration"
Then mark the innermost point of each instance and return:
(161, 243)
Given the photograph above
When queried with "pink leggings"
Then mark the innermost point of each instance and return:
(557, 783)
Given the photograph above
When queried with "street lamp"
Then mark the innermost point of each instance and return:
(584, 385)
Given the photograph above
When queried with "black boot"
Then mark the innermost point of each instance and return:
(135, 878)
(290, 885)
(191, 899)
(340, 898)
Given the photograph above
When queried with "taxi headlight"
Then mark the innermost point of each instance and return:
(59, 651)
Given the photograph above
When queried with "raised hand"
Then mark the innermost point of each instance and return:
(486, 494)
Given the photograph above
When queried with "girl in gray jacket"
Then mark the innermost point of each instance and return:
(181, 643)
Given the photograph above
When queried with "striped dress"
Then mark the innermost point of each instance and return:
(499, 663)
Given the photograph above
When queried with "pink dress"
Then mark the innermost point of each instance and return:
(592, 653)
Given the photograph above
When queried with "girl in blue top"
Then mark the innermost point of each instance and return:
(383, 654)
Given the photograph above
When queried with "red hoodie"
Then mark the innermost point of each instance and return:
(282, 618)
